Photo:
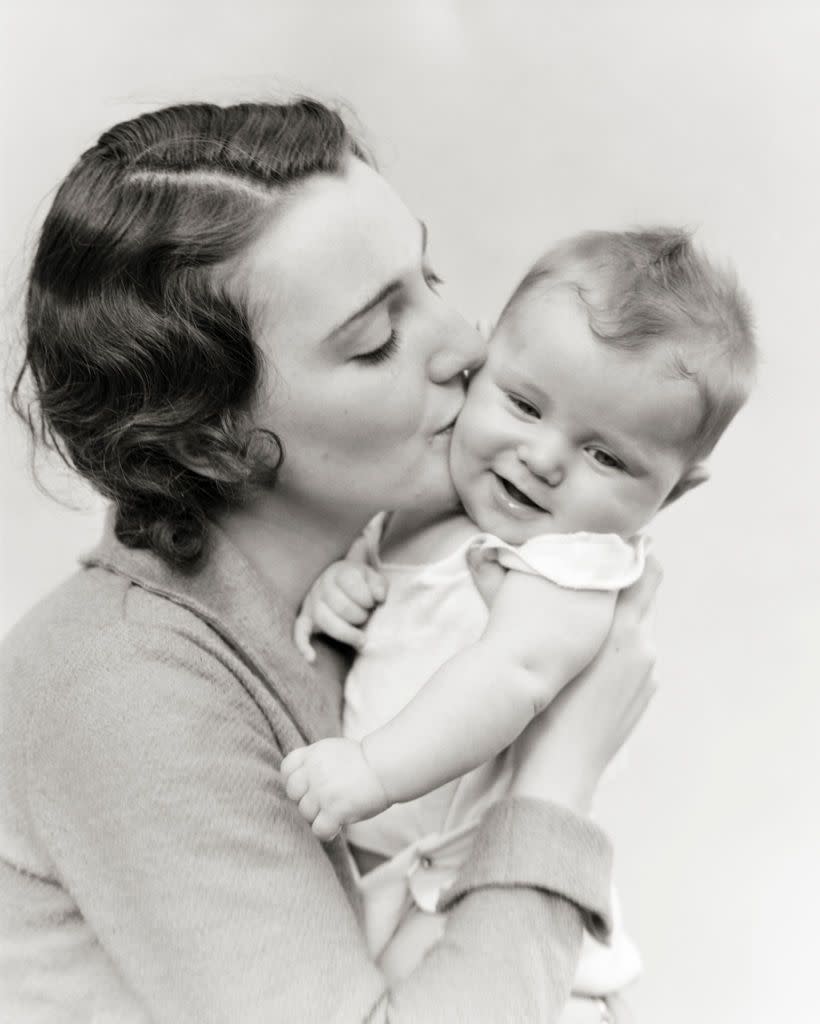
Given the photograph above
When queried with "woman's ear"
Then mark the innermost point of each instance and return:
(693, 476)
(230, 458)
(216, 462)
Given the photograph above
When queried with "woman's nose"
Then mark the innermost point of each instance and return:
(462, 350)
(545, 460)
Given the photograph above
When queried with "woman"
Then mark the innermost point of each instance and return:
(234, 335)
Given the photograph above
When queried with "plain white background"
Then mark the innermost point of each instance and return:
(507, 125)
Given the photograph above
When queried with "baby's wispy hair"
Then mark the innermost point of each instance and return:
(654, 287)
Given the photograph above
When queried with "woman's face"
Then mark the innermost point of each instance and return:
(364, 360)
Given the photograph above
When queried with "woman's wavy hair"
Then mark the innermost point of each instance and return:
(139, 367)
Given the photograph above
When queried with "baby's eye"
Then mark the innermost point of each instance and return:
(603, 458)
(523, 406)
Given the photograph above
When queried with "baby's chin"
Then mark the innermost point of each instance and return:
(521, 525)
(514, 529)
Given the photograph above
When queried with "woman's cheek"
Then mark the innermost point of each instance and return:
(380, 412)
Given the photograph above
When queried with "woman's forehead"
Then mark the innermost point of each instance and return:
(333, 245)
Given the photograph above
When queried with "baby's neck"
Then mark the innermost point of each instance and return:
(413, 538)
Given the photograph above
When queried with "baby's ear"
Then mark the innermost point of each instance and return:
(693, 476)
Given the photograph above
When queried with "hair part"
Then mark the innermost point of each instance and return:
(654, 288)
(140, 367)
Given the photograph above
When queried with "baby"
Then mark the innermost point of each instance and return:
(615, 367)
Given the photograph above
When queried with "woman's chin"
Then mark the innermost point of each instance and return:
(438, 497)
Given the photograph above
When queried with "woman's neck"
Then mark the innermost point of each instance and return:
(287, 547)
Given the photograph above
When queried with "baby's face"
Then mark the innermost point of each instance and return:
(561, 432)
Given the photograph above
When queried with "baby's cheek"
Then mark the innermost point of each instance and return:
(458, 460)
(600, 507)
(626, 511)
(479, 436)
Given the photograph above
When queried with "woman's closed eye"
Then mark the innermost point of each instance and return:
(388, 349)
(380, 354)
(605, 458)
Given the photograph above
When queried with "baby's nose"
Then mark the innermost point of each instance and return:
(545, 462)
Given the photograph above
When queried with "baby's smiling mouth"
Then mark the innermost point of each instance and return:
(516, 495)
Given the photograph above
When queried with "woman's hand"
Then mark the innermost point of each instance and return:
(562, 754)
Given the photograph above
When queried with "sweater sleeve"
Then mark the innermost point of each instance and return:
(156, 789)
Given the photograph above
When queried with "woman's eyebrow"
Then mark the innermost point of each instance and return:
(384, 293)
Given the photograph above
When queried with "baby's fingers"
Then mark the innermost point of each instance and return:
(325, 826)
(295, 759)
(302, 630)
(337, 601)
(362, 584)
(309, 806)
(376, 582)
(297, 784)
(331, 623)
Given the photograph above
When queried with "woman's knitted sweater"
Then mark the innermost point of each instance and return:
(151, 866)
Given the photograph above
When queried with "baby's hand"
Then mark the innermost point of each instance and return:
(333, 784)
(340, 600)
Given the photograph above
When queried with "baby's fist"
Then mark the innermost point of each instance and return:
(339, 604)
(333, 784)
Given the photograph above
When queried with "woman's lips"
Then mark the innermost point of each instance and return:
(442, 437)
(447, 429)
(454, 415)
(515, 500)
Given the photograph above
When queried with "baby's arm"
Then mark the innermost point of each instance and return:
(539, 636)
